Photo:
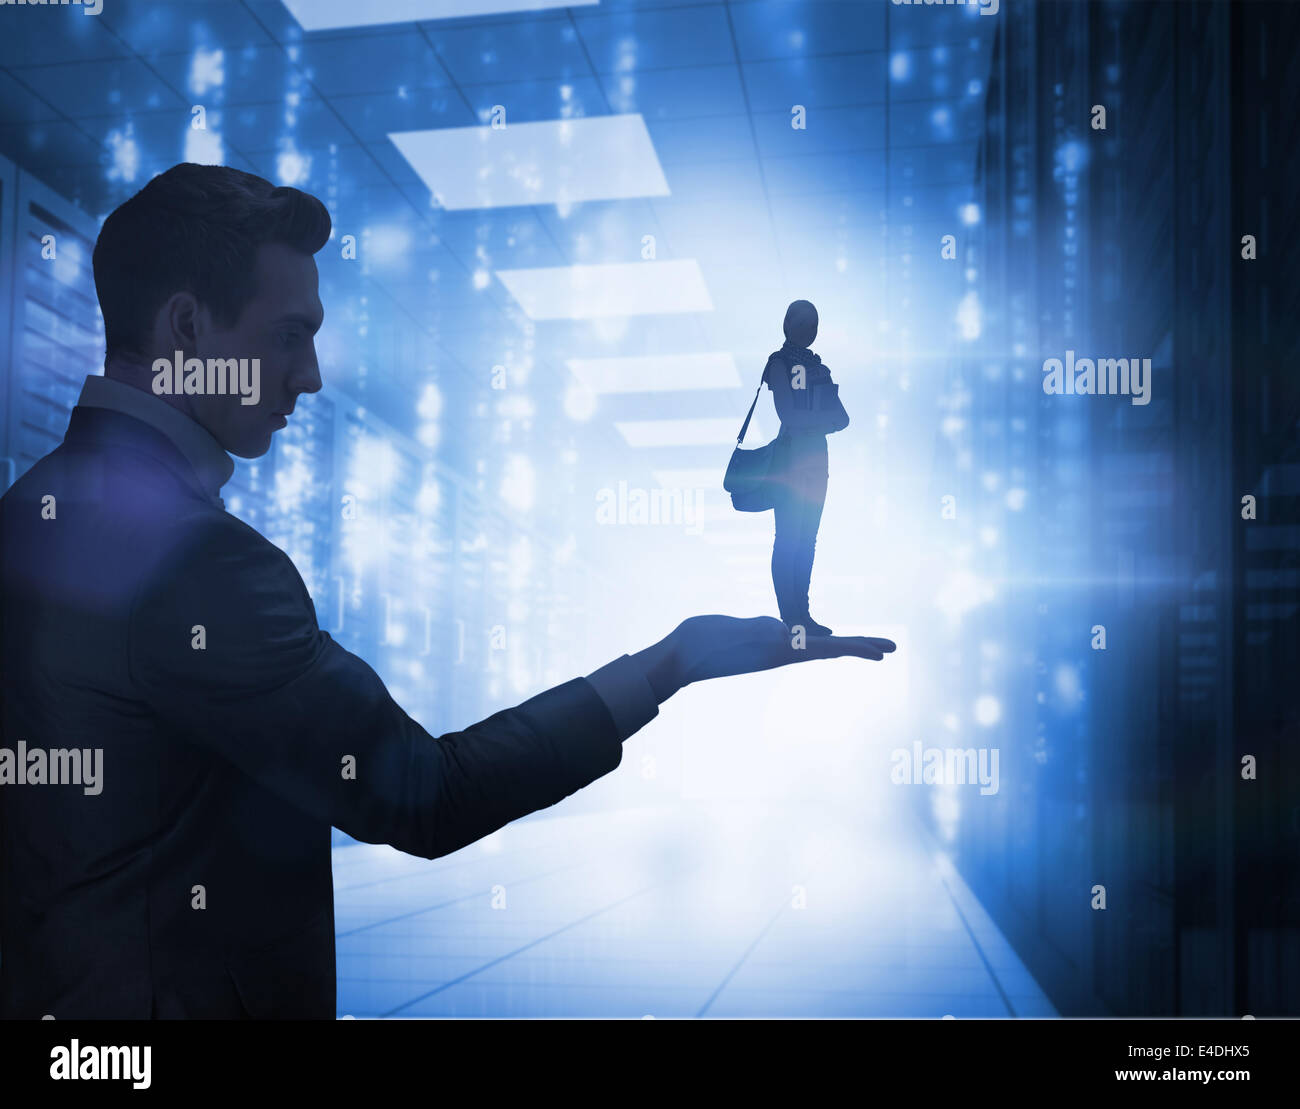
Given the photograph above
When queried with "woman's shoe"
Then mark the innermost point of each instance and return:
(809, 625)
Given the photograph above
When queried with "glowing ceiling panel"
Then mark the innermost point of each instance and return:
(551, 161)
(617, 289)
(656, 373)
(326, 15)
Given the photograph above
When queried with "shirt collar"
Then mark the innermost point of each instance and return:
(211, 464)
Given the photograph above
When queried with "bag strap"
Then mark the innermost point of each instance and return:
(745, 426)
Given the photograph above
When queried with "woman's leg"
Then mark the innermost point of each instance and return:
(802, 494)
(812, 499)
(785, 549)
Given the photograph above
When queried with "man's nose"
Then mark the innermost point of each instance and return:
(309, 380)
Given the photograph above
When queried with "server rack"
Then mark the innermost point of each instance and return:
(1128, 240)
(1265, 579)
(54, 335)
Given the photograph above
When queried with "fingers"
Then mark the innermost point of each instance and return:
(851, 646)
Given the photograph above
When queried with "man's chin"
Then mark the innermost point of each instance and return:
(250, 448)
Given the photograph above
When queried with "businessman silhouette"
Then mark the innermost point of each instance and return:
(140, 620)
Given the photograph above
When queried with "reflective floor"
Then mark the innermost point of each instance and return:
(704, 910)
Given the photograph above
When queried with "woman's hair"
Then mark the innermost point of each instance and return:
(194, 229)
(801, 323)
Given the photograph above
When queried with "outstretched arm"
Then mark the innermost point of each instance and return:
(273, 695)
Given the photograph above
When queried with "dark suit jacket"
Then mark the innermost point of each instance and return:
(222, 767)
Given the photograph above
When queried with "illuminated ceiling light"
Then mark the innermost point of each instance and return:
(686, 433)
(325, 15)
(656, 373)
(552, 161)
(618, 289)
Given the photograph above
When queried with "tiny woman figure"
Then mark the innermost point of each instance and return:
(808, 404)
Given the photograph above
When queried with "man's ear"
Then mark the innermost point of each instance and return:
(181, 322)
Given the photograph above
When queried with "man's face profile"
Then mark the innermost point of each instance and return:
(277, 327)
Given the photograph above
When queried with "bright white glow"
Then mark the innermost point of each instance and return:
(69, 260)
(970, 214)
(551, 161)
(962, 592)
(206, 71)
(518, 484)
(428, 499)
(946, 807)
(386, 244)
(520, 565)
(656, 373)
(988, 711)
(900, 67)
(293, 480)
(618, 289)
(969, 319)
(579, 403)
(430, 405)
(1016, 499)
(204, 148)
(374, 465)
(521, 679)
(515, 406)
(124, 155)
(686, 479)
(366, 541)
(291, 166)
(1068, 686)
(324, 15)
(687, 433)
(1072, 156)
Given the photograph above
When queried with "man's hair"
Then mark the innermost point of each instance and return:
(194, 229)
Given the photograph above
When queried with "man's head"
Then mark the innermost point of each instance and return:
(801, 323)
(217, 264)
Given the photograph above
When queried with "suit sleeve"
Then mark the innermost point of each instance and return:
(793, 406)
(225, 648)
